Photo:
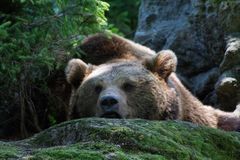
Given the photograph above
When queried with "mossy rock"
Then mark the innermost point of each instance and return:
(94, 138)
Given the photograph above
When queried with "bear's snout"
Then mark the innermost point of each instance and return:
(109, 103)
(110, 107)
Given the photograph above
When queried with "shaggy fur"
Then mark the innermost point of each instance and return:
(101, 48)
(155, 92)
(194, 111)
(157, 103)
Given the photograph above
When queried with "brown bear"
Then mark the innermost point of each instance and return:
(131, 81)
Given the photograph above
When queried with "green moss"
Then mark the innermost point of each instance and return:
(92, 150)
(8, 151)
(94, 138)
(64, 153)
(183, 141)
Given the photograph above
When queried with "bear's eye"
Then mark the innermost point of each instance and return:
(128, 86)
(98, 89)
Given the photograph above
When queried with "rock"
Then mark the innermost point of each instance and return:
(203, 82)
(199, 32)
(228, 84)
(228, 92)
(232, 54)
(95, 138)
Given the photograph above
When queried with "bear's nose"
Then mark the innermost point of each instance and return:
(108, 101)
(110, 106)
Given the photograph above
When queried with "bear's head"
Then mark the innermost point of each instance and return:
(123, 88)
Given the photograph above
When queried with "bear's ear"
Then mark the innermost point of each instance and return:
(75, 72)
(164, 63)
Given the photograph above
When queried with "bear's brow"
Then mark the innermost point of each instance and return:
(134, 69)
(126, 64)
(123, 65)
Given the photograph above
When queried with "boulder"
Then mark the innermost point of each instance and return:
(95, 138)
(228, 84)
(203, 34)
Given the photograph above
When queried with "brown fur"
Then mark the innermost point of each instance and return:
(101, 48)
(159, 103)
(153, 97)
(194, 111)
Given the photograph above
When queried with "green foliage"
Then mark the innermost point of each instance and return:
(8, 151)
(123, 16)
(36, 39)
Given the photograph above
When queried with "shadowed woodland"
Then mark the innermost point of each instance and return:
(37, 38)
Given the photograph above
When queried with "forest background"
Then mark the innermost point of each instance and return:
(37, 38)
